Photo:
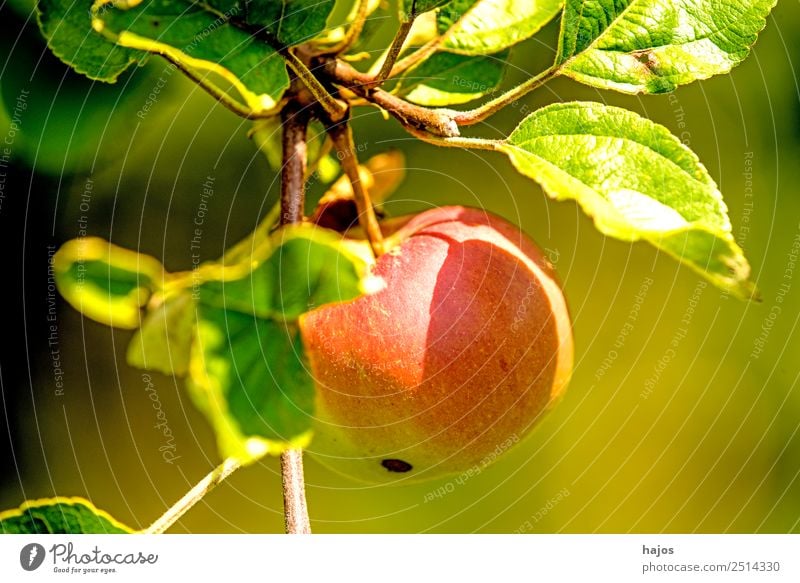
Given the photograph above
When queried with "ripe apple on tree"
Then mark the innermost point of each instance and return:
(457, 357)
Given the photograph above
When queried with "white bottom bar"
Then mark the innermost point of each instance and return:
(402, 558)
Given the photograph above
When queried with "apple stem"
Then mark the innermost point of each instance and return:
(342, 137)
(295, 121)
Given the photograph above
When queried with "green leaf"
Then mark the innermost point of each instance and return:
(164, 341)
(105, 282)
(653, 46)
(307, 268)
(230, 326)
(448, 78)
(248, 375)
(202, 40)
(291, 21)
(636, 180)
(59, 516)
(482, 27)
(67, 26)
(247, 370)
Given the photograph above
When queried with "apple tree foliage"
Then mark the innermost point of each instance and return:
(230, 327)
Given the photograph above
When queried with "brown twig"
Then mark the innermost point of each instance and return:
(416, 57)
(482, 112)
(438, 122)
(394, 51)
(342, 137)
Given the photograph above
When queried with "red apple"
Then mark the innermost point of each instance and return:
(451, 363)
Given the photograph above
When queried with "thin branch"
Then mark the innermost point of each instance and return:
(473, 116)
(342, 137)
(435, 121)
(394, 50)
(193, 496)
(295, 510)
(293, 174)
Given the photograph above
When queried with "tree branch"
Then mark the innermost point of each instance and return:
(438, 122)
(417, 56)
(293, 173)
(295, 123)
(193, 496)
(394, 50)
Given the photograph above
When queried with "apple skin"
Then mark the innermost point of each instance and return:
(448, 365)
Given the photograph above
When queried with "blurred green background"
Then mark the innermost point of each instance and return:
(687, 423)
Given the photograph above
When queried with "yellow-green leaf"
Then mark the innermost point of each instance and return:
(59, 515)
(636, 180)
(653, 46)
(105, 282)
(483, 27)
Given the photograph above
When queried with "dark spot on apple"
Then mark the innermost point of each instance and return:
(396, 466)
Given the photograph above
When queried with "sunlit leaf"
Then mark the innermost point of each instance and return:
(483, 27)
(308, 268)
(59, 516)
(105, 282)
(653, 46)
(636, 180)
